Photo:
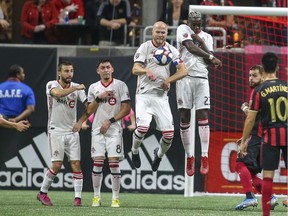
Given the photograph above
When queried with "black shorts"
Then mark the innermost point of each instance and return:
(271, 156)
(252, 159)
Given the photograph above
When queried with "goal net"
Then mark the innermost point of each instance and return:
(256, 31)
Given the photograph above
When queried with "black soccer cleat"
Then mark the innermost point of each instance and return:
(156, 161)
(136, 160)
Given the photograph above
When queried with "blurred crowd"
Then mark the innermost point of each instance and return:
(113, 22)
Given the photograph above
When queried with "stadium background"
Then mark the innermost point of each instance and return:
(23, 160)
(149, 10)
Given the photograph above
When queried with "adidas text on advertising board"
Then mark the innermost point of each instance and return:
(144, 178)
(149, 181)
(31, 172)
(25, 178)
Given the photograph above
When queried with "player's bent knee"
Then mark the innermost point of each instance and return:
(239, 166)
(141, 131)
(184, 126)
(168, 135)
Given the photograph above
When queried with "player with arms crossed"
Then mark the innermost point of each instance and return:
(151, 94)
(248, 166)
(62, 96)
(270, 101)
(196, 48)
(109, 99)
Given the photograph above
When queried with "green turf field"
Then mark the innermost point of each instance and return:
(22, 203)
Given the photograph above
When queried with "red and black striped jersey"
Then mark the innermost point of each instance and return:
(270, 100)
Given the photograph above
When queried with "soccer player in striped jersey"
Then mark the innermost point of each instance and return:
(270, 101)
(249, 166)
(109, 99)
(196, 48)
(151, 94)
(62, 96)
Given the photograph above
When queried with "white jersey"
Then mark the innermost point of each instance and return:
(108, 109)
(144, 54)
(62, 112)
(195, 65)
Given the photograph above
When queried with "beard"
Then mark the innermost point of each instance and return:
(66, 80)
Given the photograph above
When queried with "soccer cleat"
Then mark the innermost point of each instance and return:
(136, 160)
(190, 170)
(77, 201)
(273, 202)
(246, 203)
(96, 201)
(156, 161)
(115, 203)
(44, 199)
(204, 169)
(285, 202)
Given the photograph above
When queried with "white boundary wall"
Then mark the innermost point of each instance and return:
(224, 10)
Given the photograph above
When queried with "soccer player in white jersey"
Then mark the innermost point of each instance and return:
(62, 96)
(109, 99)
(151, 94)
(196, 48)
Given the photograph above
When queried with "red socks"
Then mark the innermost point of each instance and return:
(266, 195)
(245, 177)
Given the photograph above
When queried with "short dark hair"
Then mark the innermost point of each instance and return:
(270, 62)
(64, 63)
(257, 67)
(104, 61)
(14, 70)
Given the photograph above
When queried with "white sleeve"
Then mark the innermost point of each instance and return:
(82, 95)
(124, 92)
(184, 33)
(141, 53)
(49, 86)
(209, 43)
(91, 96)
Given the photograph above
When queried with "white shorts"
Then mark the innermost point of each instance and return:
(64, 143)
(192, 91)
(158, 107)
(112, 144)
